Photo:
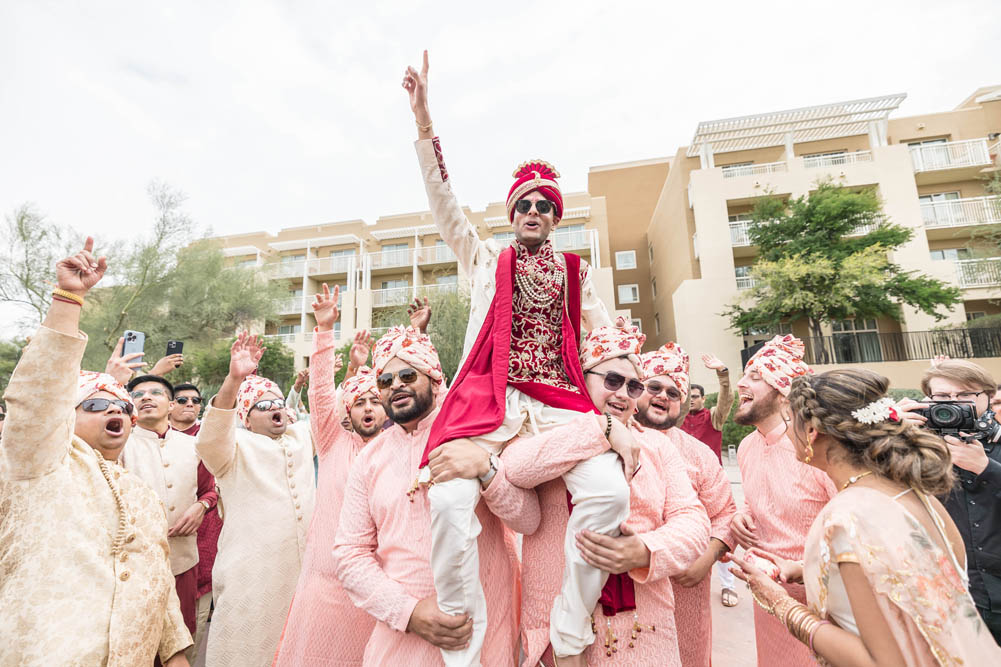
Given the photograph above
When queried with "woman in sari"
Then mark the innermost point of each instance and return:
(884, 565)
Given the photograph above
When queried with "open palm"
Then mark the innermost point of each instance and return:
(360, 349)
(325, 307)
(245, 355)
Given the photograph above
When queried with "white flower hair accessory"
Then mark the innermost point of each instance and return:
(877, 411)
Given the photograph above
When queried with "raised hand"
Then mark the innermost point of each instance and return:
(78, 273)
(167, 364)
(121, 368)
(325, 308)
(244, 355)
(416, 85)
(301, 379)
(713, 363)
(420, 314)
(360, 348)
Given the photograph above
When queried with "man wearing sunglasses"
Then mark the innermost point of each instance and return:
(659, 409)
(383, 546)
(165, 459)
(186, 408)
(83, 550)
(520, 371)
(265, 477)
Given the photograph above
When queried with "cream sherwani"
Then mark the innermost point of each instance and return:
(170, 466)
(84, 575)
(267, 487)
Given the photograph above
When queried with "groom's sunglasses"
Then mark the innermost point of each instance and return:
(614, 382)
(543, 206)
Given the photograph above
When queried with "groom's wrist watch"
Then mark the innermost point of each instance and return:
(494, 465)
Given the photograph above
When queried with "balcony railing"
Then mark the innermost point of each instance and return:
(962, 212)
(331, 264)
(285, 269)
(817, 161)
(984, 272)
(286, 338)
(751, 169)
(872, 347)
(950, 155)
(443, 288)
(436, 254)
(577, 239)
(376, 332)
(288, 305)
(388, 259)
(392, 296)
(739, 233)
(745, 282)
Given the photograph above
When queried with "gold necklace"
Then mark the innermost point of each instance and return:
(852, 480)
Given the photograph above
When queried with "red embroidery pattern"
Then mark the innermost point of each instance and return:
(536, 328)
(436, 142)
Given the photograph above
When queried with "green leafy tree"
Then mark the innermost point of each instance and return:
(814, 264)
(207, 366)
(10, 354)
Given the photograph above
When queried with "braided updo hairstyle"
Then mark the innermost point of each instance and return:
(899, 451)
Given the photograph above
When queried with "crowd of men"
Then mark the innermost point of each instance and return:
(562, 500)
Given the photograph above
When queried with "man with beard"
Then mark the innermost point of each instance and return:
(666, 373)
(83, 542)
(323, 626)
(782, 495)
(383, 546)
(165, 459)
(265, 476)
(520, 375)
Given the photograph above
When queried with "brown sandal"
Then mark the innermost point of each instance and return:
(729, 597)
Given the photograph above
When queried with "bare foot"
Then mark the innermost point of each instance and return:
(729, 597)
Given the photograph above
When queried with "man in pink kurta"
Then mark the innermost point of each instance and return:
(323, 626)
(667, 382)
(665, 516)
(383, 546)
(782, 496)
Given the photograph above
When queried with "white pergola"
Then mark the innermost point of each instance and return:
(785, 128)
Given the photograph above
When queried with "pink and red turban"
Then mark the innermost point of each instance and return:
(357, 386)
(412, 347)
(90, 383)
(671, 360)
(604, 343)
(531, 176)
(779, 362)
(251, 390)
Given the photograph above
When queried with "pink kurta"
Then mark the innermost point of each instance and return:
(323, 626)
(692, 607)
(383, 551)
(783, 497)
(664, 512)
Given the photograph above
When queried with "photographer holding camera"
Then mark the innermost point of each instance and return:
(953, 386)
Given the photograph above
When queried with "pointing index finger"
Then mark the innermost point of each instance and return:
(424, 69)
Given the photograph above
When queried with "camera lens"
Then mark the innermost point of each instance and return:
(946, 415)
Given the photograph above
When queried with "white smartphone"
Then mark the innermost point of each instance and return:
(135, 341)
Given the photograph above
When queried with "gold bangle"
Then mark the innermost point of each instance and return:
(76, 298)
(424, 128)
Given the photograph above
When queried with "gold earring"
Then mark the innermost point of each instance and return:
(809, 452)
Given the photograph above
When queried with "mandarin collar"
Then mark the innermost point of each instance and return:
(545, 251)
(776, 434)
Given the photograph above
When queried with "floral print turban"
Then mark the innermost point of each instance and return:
(670, 360)
(604, 343)
(779, 362)
(90, 383)
(356, 386)
(412, 347)
(251, 390)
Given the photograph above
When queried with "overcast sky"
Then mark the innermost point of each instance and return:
(277, 114)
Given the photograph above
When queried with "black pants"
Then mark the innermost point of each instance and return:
(993, 621)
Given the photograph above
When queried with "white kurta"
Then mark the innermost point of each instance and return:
(266, 486)
(478, 258)
(170, 466)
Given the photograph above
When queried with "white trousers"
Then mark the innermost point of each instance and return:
(601, 503)
(726, 578)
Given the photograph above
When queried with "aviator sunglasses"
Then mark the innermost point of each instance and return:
(407, 376)
(614, 382)
(102, 404)
(269, 403)
(183, 400)
(543, 206)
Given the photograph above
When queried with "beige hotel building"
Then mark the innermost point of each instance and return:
(668, 236)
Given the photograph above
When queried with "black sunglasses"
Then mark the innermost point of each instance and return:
(543, 206)
(614, 382)
(269, 403)
(183, 400)
(102, 404)
(407, 376)
(655, 388)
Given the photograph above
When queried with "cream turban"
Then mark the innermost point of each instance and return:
(604, 343)
(670, 360)
(779, 362)
(412, 347)
(90, 383)
(251, 390)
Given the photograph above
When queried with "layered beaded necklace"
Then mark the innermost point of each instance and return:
(530, 275)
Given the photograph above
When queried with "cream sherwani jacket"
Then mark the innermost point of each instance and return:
(478, 258)
(84, 576)
(267, 488)
(170, 466)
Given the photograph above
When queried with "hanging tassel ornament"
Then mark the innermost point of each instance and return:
(413, 489)
(610, 639)
(637, 629)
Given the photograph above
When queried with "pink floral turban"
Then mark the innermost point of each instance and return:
(604, 343)
(412, 347)
(90, 383)
(779, 362)
(251, 390)
(670, 360)
(356, 386)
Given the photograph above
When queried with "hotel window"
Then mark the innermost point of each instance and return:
(246, 262)
(395, 254)
(650, 250)
(638, 323)
(656, 323)
(653, 286)
(935, 211)
(625, 259)
(951, 254)
(288, 259)
(504, 238)
(289, 329)
(629, 293)
(975, 315)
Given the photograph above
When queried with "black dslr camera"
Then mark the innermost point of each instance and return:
(955, 417)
